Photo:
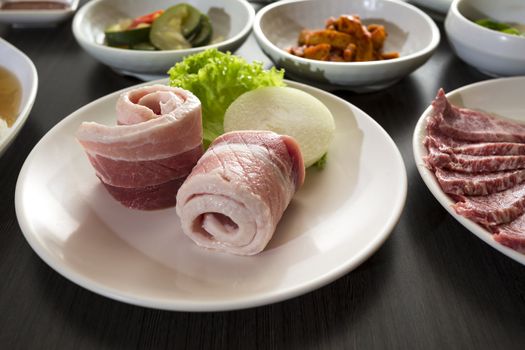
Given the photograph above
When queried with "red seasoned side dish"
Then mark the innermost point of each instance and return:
(344, 39)
(479, 160)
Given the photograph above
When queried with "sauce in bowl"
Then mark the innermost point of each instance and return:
(10, 96)
(34, 5)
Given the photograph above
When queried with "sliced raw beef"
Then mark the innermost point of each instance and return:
(144, 159)
(470, 125)
(512, 234)
(435, 138)
(239, 189)
(473, 164)
(479, 160)
(494, 209)
(478, 184)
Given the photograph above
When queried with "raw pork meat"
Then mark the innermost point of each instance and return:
(239, 189)
(144, 159)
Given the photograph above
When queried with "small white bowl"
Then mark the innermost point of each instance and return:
(23, 68)
(232, 21)
(440, 6)
(490, 51)
(38, 18)
(411, 32)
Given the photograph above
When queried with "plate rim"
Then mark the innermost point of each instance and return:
(25, 110)
(430, 181)
(252, 300)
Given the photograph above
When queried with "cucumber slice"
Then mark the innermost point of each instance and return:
(192, 23)
(145, 46)
(116, 37)
(203, 37)
(120, 25)
(171, 29)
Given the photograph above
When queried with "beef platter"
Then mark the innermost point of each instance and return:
(479, 161)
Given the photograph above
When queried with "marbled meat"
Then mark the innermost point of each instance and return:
(479, 160)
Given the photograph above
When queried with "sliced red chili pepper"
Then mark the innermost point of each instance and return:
(148, 19)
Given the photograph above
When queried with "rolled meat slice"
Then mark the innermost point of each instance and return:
(235, 196)
(144, 159)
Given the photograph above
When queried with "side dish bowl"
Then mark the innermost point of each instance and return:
(441, 6)
(411, 32)
(492, 52)
(232, 21)
(23, 68)
(38, 17)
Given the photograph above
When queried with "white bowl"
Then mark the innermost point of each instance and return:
(440, 6)
(38, 18)
(232, 21)
(23, 68)
(490, 51)
(411, 32)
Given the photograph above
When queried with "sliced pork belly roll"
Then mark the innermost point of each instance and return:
(144, 159)
(239, 189)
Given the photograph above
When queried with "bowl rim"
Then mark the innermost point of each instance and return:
(432, 45)
(73, 5)
(80, 14)
(31, 91)
(495, 35)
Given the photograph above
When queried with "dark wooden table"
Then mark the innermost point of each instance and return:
(432, 285)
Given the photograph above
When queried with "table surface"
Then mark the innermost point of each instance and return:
(432, 284)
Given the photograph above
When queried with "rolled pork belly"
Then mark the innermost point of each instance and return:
(236, 194)
(144, 159)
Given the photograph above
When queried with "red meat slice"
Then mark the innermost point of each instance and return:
(512, 234)
(470, 125)
(494, 209)
(478, 184)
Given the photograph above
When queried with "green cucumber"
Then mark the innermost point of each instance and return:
(203, 37)
(145, 46)
(117, 37)
(192, 23)
(171, 30)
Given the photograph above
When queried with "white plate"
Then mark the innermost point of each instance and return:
(23, 68)
(503, 97)
(335, 221)
(38, 18)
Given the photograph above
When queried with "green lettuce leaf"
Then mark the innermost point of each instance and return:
(217, 79)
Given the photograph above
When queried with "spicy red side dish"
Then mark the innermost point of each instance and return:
(344, 39)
